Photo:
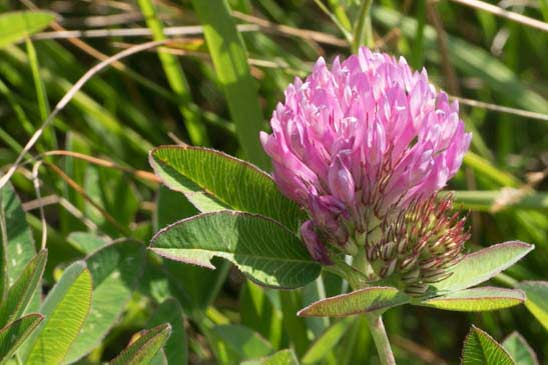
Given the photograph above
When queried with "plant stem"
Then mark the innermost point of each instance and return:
(380, 338)
(506, 280)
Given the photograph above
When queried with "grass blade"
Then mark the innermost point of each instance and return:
(229, 56)
(488, 199)
(41, 94)
(363, 31)
(468, 59)
(4, 279)
(516, 17)
(175, 76)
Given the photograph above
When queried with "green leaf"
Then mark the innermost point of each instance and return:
(283, 357)
(20, 243)
(482, 265)
(22, 291)
(481, 349)
(15, 26)
(229, 57)
(115, 270)
(4, 278)
(520, 350)
(213, 180)
(86, 242)
(15, 333)
(359, 301)
(175, 348)
(477, 299)
(261, 248)
(241, 342)
(145, 347)
(537, 299)
(326, 342)
(65, 310)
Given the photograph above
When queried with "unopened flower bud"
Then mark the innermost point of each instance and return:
(426, 241)
(435, 276)
(341, 182)
(315, 247)
(324, 210)
(387, 250)
(416, 289)
(389, 268)
(407, 263)
(411, 276)
(429, 263)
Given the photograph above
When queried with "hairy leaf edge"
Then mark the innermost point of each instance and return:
(476, 331)
(304, 312)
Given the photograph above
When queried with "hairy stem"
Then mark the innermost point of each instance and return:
(380, 338)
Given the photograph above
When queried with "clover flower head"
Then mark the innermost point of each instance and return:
(359, 143)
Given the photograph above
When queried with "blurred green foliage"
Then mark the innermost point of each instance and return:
(205, 93)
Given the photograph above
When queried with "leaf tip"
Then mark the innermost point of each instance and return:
(522, 294)
(527, 247)
(304, 312)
